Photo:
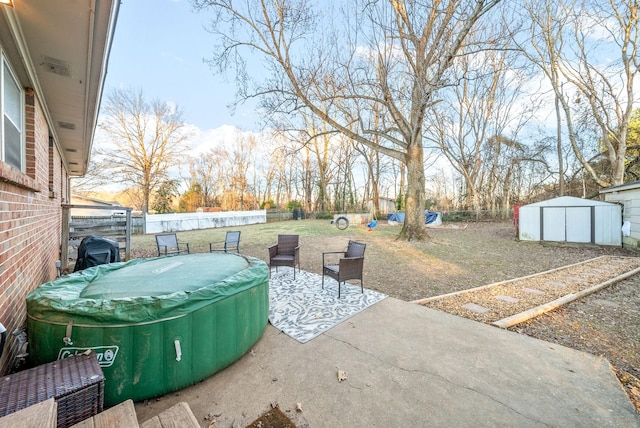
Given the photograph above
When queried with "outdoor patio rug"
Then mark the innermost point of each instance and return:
(303, 310)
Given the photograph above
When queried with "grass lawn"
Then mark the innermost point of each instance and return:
(455, 258)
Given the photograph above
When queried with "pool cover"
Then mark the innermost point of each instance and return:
(144, 290)
(156, 325)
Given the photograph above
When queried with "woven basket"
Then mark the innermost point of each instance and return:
(76, 383)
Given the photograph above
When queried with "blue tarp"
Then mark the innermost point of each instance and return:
(431, 216)
(397, 217)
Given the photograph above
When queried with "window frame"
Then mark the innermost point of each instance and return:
(5, 66)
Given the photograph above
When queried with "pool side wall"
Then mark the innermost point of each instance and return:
(140, 361)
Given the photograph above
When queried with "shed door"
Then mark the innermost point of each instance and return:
(578, 224)
(553, 224)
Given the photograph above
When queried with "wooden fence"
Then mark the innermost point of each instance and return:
(115, 227)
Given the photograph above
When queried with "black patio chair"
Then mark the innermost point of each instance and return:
(285, 253)
(349, 266)
(231, 243)
(168, 245)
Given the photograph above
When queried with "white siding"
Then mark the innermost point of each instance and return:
(630, 198)
(633, 215)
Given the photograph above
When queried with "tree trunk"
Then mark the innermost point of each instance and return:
(414, 228)
(559, 148)
(146, 195)
(403, 195)
(621, 152)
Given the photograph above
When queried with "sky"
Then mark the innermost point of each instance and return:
(159, 46)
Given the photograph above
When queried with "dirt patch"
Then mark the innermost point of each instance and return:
(273, 418)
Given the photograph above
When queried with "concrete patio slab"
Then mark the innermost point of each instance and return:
(410, 366)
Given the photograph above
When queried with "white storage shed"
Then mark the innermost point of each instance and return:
(569, 219)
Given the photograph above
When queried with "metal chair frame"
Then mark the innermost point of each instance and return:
(350, 265)
(285, 253)
(231, 243)
(168, 245)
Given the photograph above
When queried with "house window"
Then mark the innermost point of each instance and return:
(11, 107)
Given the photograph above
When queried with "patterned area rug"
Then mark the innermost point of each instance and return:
(303, 310)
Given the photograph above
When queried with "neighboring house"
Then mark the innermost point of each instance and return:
(628, 195)
(53, 60)
(386, 205)
(86, 211)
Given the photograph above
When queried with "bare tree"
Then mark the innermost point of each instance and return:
(225, 177)
(374, 171)
(547, 20)
(443, 189)
(387, 57)
(92, 181)
(315, 150)
(470, 123)
(280, 174)
(206, 170)
(146, 139)
(608, 89)
(309, 177)
(239, 161)
(567, 40)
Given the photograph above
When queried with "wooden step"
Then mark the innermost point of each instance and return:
(40, 415)
(121, 416)
(177, 416)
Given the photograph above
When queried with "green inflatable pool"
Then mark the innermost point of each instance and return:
(157, 325)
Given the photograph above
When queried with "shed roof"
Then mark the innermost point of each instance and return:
(568, 201)
(80, 199)
(633, 185)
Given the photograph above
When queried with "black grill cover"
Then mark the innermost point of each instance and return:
(96, 250)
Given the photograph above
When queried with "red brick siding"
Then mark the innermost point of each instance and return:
(30, 225)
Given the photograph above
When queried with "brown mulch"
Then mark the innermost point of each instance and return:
(508, 298)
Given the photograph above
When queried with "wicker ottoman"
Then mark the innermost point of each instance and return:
(76, 383)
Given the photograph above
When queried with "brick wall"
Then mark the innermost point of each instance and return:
(30, 224)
